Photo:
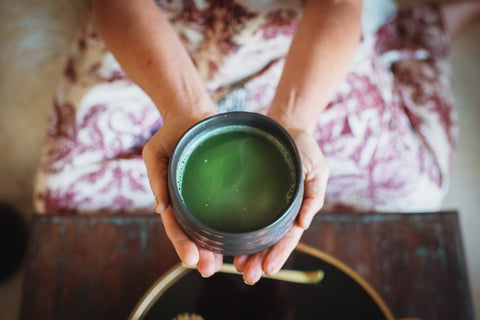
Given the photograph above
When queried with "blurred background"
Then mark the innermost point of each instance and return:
(35, 38)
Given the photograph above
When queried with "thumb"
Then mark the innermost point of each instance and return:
(156, 162)
(315, 189)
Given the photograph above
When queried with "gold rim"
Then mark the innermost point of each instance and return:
(350, 272)
(178, 271)
(156, 290)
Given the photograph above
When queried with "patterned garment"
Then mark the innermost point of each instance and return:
(388, 135)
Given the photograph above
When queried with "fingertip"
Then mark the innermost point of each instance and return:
(239, 262)
(206, 264)
(190, 261)
(250, 278)
(189, 255)
(306, 222)
(218, 261)
(274, 260)
(307, 213)
(159, 206)
(247, 283)
(279, 253)
(302, 221)
(206, 273)
(271, 266)
(162, 199)
(254, 268)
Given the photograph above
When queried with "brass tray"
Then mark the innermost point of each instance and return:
(341, 294)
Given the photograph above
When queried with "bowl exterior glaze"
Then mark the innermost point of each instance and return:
(229, 243)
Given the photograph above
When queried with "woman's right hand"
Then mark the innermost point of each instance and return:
(150, 52)
(156, 155)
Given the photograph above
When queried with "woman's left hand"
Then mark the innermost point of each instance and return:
(317, 62)
(315, 172)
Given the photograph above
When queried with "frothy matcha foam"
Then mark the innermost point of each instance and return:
(236, 178)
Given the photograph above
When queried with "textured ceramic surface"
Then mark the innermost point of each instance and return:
(233, 243)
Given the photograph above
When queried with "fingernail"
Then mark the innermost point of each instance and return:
(306, 223)
(208, 271)
(218, 265)
(240, 263)
(190, 259)
(272, 269)
(159, 207)
(256, 277)
(204, 275)
(249, 283)
(190, 263)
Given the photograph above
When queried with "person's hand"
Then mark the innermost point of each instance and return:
(156, 155)
(315, 172)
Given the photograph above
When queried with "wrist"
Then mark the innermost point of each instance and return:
(297, 105)
(301, 120)
(196, 108)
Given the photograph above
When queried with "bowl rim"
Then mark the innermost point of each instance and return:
(234, 115)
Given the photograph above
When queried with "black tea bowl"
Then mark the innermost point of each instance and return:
(225, 240)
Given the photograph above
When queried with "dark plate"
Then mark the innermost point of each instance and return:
(342, 294)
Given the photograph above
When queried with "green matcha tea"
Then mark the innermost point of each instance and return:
(236, 179)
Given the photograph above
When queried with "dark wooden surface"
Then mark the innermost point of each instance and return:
(98, 267)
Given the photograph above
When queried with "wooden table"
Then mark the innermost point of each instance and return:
(98, 267)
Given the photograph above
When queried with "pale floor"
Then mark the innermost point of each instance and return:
(29, 72)
(464, 194)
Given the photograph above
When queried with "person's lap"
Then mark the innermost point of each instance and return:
(388, 136)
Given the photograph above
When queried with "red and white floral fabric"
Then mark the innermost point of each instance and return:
(388, 135)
